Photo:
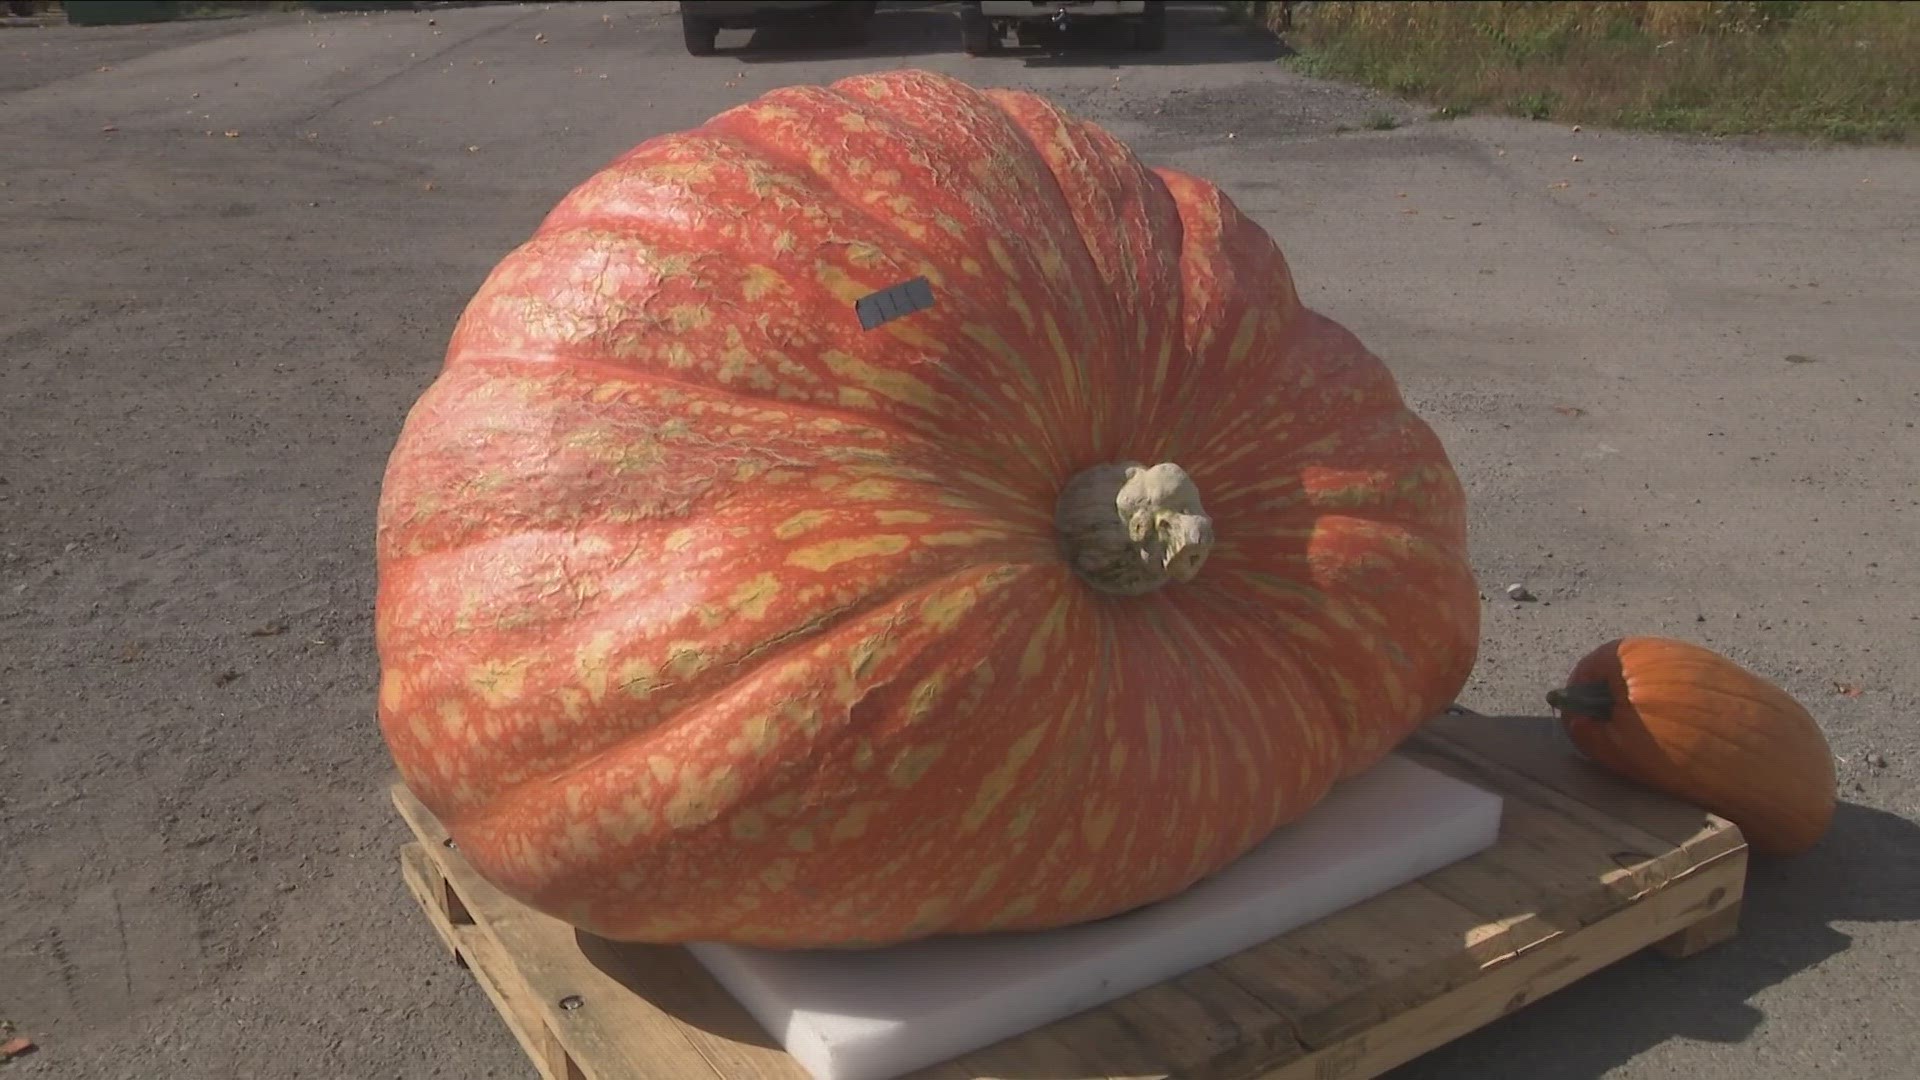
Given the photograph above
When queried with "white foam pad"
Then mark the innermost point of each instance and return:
(873, 1015)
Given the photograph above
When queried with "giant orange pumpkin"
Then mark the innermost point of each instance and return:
(707, 614)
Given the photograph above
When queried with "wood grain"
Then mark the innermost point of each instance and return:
(1587, 869)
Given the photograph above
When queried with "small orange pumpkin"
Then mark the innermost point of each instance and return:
(1684, 720)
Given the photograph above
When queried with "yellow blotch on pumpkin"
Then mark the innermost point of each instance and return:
(1034, 660)
(912, 763)
(628, 820)
(826, 556)
(392, 691)
(931, 913)
(749, 825)
(637, 678)
(895, 385)
(1001, 258)
(925, 697)
(758, 282)
(870, 490)
(902, 517)
(700, 797)
(852, 824)
(962, 538)
(755, 595)
(983, 883)
(499, 682)
(999, 782)
(685, 659)
(779, 874)
(1097, 825)
(944, 610)
(1022, 820)
(1018, 908)
(803, 522)
(591, 665)
(1076, 883)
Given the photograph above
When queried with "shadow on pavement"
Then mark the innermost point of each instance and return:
(1197, 33)
(1867, 870)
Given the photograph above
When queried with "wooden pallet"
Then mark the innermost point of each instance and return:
(1587, 870)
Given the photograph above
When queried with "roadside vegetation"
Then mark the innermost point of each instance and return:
(1836, 71)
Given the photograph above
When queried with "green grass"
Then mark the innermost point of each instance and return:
(1837, 71)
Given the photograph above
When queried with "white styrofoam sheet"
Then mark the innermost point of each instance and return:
(873, 1015)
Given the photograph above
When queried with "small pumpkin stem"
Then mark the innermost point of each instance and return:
(1129, 529)
(1586, 699)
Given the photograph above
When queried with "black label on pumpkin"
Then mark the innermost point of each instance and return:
(893, 303)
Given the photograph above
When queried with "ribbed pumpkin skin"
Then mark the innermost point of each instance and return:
(706, 615)
(1693, 724)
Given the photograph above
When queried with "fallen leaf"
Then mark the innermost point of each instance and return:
(272, 629)
(225, 677)
(540, 37)
(428, 186)
(1799, 358)
(1561, 184)
(108, 127)
(1569, 410)
(1409, 210)
(473, 149)
(1576, 157)
(16, 1047)
(104, 67)
(233, 134)
(1846, 689)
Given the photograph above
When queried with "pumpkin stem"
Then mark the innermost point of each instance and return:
(1129, 529)
(1585, 699)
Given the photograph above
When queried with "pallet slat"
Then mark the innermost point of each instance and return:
(1587, 870)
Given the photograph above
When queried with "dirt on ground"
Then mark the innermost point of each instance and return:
(1678, 378)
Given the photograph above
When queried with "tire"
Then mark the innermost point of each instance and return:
(700, 34)
(977, 35)
(1150, 33)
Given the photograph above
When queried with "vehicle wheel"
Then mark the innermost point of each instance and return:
(1150, 33)
(977, 35)
(699, 33)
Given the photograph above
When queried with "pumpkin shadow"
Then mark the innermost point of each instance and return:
(1867, 869)
(671, 980)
